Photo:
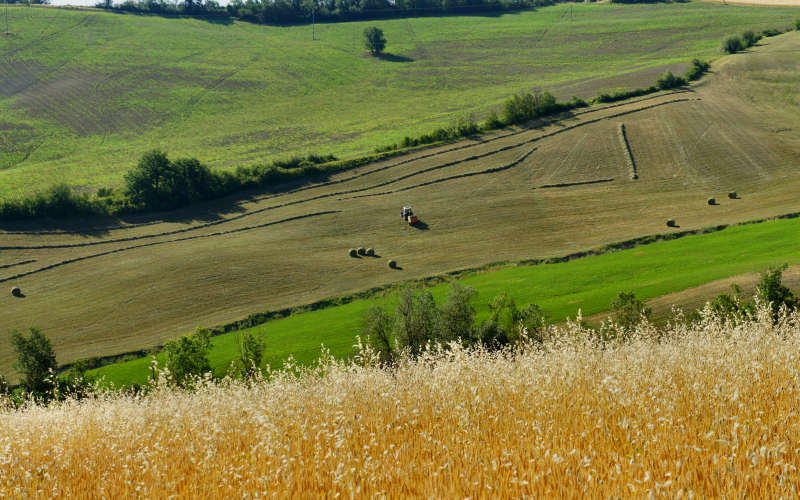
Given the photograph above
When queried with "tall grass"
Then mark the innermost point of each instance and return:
(704, 411)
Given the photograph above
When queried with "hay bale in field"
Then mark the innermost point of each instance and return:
(353, 252)
(392, 264)
(732, 195)
(671, 223)
(362, 251)
(16, 292)
(370, 251)
(712, 201)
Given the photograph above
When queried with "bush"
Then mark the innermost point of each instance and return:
(696, 70)
(669, 81)
(187, 357)
(629, 311)
(732, 44)
(771, 32)
(771, 289)
(749, 38)
(526, 107)
(797, 24)
(493, 121)
(251, 353)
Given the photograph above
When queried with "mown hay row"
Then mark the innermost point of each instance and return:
(29, 261)
(154, 243)
(626, 148)
(451, 178)
(570, 184)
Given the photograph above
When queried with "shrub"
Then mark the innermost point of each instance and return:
(628, 310)
(187, 357)
(669, 81)
(732, 44)
(696, 70)
(749, 38)
(797, 24)
(525, 107)
(770, 32)
(771, 289)
(251, 353)
(493, 121)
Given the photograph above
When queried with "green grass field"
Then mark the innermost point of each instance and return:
(83, 94)
(588, 284)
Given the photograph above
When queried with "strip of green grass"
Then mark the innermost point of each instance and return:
(589, 284)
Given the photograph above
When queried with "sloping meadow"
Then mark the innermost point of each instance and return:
(709, 410)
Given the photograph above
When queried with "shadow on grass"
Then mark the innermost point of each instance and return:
(385, 56)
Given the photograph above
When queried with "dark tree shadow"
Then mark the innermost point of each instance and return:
(385, 56)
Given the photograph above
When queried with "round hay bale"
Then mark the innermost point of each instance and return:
(362, 251)
(712, 201)
(732, 195)
(392, 264)
(671, 223)
(353, 252)
(370, 251)
(16, 292)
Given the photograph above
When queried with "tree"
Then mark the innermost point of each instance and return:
(377, 329)
(36, 360)
(188, 356)
(374, 40)
(416, 320)
(732, 44)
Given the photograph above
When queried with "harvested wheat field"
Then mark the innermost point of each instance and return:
(556, 187)
(708, 411)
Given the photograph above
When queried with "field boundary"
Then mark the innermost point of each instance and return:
(257, 319)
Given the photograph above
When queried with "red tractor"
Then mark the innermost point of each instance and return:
(408, 216)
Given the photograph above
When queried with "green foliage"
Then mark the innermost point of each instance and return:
(416, 319)
(58, 200)
(493, 121)
(36, 361)
(457, 315)
(749, 38)
(730, 304)
(251, 355)
(527, 106)
(797, 24)
(160, 184)
(771, 289)
(377, 328)
(697, 69)
(732, 44)
(628, 311)
(669, 81)
(374, 41)
(187, 357)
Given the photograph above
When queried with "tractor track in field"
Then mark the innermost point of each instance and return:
(154, 243)
(357, 176)
(452, 177)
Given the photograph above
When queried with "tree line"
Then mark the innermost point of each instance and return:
(303, 11)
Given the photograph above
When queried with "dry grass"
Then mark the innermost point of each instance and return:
(709, 411)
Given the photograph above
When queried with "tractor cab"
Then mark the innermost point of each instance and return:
(407, 214)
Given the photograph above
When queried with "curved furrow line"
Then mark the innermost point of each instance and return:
(452, 177)
(154, 243)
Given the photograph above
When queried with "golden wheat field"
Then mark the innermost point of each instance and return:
(708, 411)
